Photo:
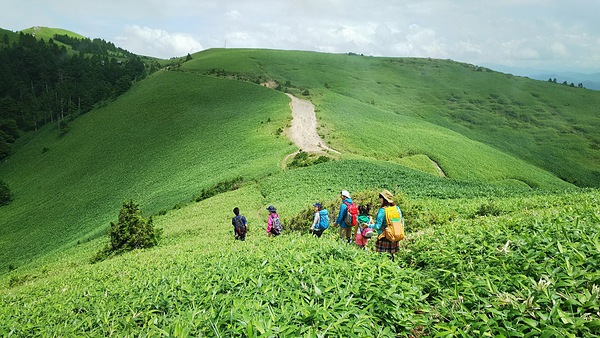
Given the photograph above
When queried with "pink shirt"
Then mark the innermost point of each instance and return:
(360, 240)
(270, 221)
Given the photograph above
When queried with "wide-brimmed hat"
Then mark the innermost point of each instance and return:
(345, 193)
(387, 195)
(318, 205)
(271, 208)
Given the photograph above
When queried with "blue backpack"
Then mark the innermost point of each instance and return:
(323, 219)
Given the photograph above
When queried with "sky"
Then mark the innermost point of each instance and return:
(552, 35)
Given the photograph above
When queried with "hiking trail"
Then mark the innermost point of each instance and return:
(303, 131)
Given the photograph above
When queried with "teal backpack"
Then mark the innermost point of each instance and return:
(323, 219)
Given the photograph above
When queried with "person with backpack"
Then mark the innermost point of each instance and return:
(364, 230)
(346, 217)
(274, 227)
(240, 225)
(389, 218)
(320, 221)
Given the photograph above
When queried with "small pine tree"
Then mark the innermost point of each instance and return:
(130, 232)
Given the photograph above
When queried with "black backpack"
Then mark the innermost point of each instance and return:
(239, 226)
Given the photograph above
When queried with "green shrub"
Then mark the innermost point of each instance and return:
(5, 194)
(132, 231)
(16, 280)
(488, 209)
(219, 188)
(303, 159)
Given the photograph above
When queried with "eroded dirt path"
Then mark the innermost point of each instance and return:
(304, 127)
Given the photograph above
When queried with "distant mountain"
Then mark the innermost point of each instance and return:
(589, 81)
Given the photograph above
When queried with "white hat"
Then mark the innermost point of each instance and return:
(345, 193)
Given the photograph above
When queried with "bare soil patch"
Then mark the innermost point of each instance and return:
(303, 131)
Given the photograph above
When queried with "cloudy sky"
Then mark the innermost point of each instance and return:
(556, 35)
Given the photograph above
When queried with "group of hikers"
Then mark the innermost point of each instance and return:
(354, 222)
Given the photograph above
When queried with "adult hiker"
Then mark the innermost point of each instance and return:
(274, 227)
(240, 225)
(388, 211)
(320, 220)
(346, 229)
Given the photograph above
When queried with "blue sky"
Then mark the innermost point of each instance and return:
(553, 35)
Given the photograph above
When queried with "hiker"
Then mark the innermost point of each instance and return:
(383, 244)
(274, 227)
(320, 221)
(364, 230)
(346, 230)
(363, 234)
(364, 216)
(240, 225)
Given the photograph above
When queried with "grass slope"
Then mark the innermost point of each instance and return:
(178, 132)
(552, 127)
(12, 36)
(455, 275)
(160, 144)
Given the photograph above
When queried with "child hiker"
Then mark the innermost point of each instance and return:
(320, 221)
(364, 231)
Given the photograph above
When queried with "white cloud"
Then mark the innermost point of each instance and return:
(233, 14)
(534, 33)
(559, 49)
(157, 42)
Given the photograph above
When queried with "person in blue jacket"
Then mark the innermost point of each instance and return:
(386, 198)
(320, 221)
(346, 230)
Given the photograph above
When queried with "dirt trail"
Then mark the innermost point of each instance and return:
(304, 127)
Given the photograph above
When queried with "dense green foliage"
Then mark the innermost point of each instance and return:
(220, 188)
(531, 271)
(304, 159)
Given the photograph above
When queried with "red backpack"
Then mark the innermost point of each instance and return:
(351, 218)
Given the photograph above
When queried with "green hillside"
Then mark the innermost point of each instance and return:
(10, 35)
(458, 274)
(160, 144)
(500, 242)
(537, 122)
(48, 33)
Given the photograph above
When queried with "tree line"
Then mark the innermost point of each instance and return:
(553, 80)
(49, 82)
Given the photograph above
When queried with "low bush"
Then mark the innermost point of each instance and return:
(219, 188)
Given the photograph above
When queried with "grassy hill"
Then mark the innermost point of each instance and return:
(144, 146)
(48, 33)
(12, 36)
(500, 245)
(534, 121)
